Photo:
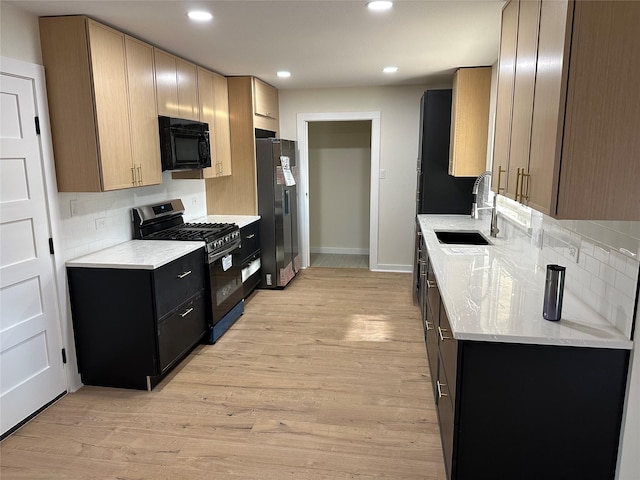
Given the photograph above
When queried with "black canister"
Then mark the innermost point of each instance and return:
(553, 291)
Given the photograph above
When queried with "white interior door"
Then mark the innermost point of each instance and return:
(31, 369)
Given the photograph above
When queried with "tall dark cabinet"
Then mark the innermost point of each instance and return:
(439, 192)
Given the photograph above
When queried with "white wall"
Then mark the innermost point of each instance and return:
(20, 36)
(399, 109)
(79, 231)
(339, 186)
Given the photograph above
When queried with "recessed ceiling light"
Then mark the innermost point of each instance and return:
(390, 69)
(199, 16)
(379, 5)
(284, 74)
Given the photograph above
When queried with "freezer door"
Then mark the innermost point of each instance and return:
(293, 208)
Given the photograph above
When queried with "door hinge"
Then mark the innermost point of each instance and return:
(37, 126)
(64, 355)
(51, 246)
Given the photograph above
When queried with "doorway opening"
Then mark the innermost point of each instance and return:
(339, 193)
(338, 204)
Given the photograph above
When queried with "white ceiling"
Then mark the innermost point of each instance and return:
(324, 43)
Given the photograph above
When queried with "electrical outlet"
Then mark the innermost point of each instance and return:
(194, 201)
(73, 206)
(101, 223)
(574, 253)
(383, 173)
(538, 238)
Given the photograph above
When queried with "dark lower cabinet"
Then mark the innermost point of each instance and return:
(132, 326)
(524, 411)
(248, 257)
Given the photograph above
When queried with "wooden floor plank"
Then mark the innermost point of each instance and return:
(326, 379)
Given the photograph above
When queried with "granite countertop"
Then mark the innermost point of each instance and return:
(240, 220)
(495, 293)
(137, 254)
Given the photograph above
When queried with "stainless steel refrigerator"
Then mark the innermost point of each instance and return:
(278, 208)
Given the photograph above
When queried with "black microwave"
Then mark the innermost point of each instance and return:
(184, 144)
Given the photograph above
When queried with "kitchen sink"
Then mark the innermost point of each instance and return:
(461, 238)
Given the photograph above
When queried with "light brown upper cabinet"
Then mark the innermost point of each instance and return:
(582, 154)
(237, 194)
(177, 85)
(213, 103)
(504, 102)
(265, 105)
(102, 105)
(469, 121)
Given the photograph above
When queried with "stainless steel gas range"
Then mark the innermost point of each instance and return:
(165, 221)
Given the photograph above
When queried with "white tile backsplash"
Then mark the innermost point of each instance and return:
(605, 275)
(94, 221)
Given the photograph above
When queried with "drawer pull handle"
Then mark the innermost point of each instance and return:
(182, 275)
(442, 337)
(440, 393)
(431, 283)
(429, 325)
(187, 312)
(251, 236)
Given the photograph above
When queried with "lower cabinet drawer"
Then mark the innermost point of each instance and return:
(180, 330)
(250, 240)
(445, 417)
(432, 349)
(251, 270)
(448, 347)
(178, 281)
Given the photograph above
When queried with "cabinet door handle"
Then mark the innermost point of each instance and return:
(517, 184)
(429, 325)
(184, 274)
(442, 337)
(139, 169)
(251, 236)
(440, 392)
(133, 175)
(500, 171)
(522, 195)
(187, 312)
(431, 284)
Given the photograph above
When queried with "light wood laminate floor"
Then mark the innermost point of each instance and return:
(326, 379)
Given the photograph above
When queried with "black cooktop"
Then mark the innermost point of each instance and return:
(193, 231)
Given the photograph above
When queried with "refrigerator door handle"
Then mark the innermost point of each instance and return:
(286, 202)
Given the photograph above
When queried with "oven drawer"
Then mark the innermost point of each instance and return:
(180, 330)
(179, 280)
(250, 240)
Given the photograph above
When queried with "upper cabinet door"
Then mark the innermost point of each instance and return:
(187, 89)
(469, 121)
(600, 166)
(166, 83)
(145, 142)
(525, 78)
(222, 132)
(506, 77)
(265, 99)
(108, 67)
(546, 127)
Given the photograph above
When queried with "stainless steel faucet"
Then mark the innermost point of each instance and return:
(494, 218)
(474, 192)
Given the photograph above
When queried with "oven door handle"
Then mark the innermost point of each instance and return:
(217, 256)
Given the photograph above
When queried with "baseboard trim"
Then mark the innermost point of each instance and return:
(340, 250)
(391, 268)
